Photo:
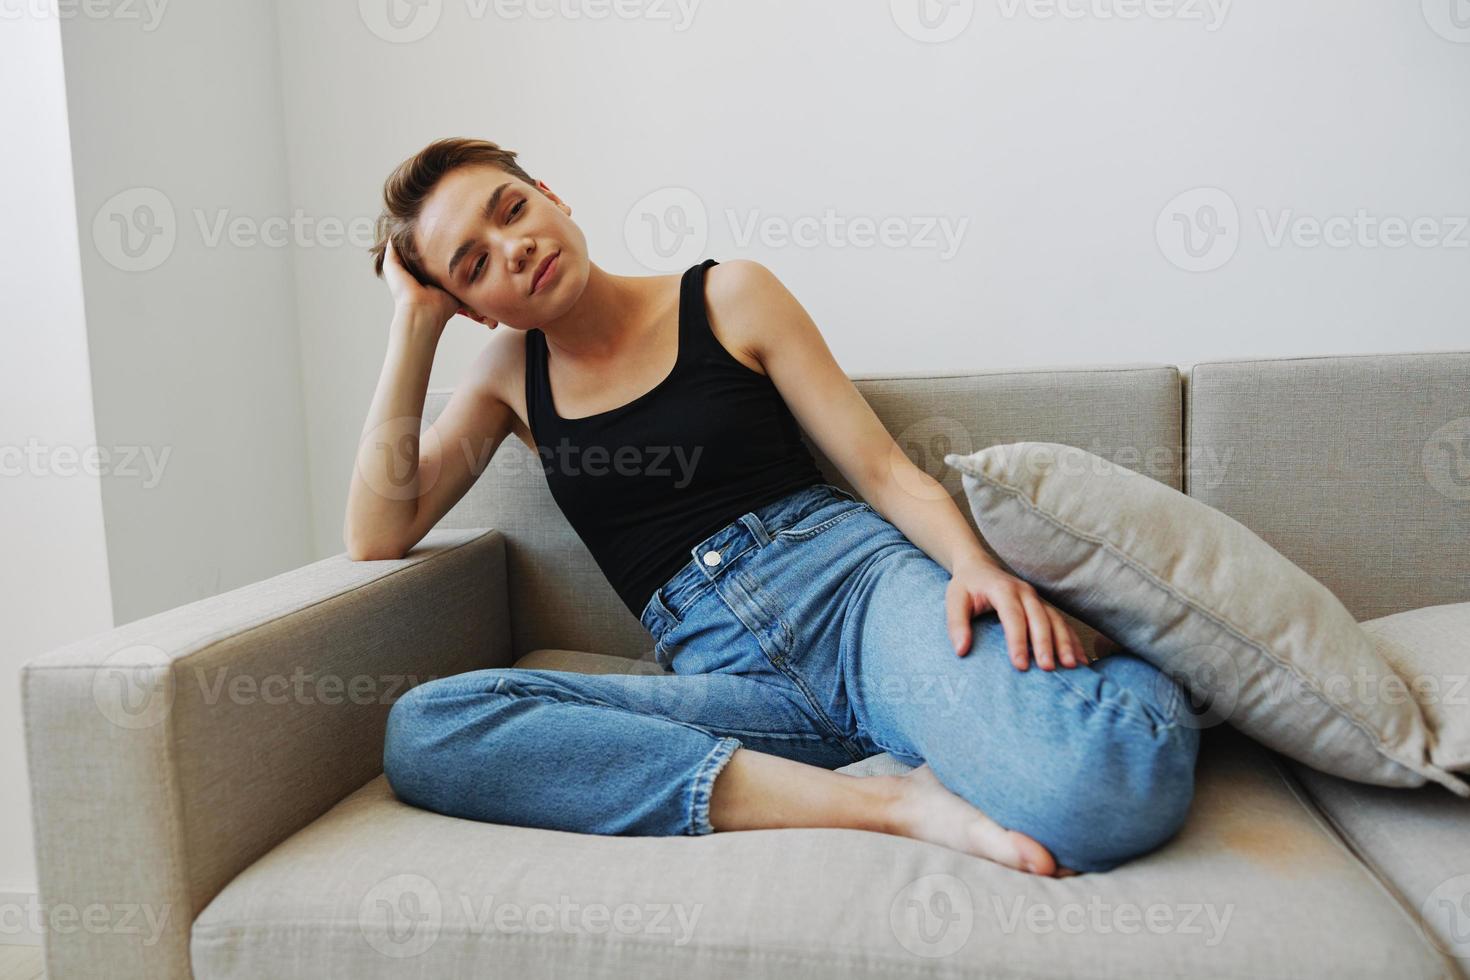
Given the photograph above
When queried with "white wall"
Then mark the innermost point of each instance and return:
(1055, 142)
(194, 341)
(187, 362)
(53, 581)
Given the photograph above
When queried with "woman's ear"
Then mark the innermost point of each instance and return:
(476, 317)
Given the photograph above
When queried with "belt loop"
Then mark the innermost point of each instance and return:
(755, 526)
(661, 609)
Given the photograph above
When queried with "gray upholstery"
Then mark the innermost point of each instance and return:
(168, 755)
(266, 834)
(1416, 840)
(1356, 468)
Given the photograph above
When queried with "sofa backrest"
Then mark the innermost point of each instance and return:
(1128, 413)
(1355, 467)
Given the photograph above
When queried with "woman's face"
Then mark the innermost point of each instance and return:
(484, 234)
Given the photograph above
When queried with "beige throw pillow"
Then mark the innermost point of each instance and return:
(1430, 649)
(1261, 643)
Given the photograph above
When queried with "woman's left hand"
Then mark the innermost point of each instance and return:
(976, 588)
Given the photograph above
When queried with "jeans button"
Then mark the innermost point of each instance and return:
(711, 558)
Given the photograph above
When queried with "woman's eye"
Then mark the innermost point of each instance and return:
(475, 274)
(520, 206)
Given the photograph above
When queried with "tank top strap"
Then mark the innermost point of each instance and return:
(694, 329)
(538, 389)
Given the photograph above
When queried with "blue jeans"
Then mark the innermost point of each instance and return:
(813, 629)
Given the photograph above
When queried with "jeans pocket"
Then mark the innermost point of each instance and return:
(659, 618)
(820, 520)
(841, 492)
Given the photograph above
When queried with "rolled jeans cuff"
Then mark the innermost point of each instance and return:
(704, 782)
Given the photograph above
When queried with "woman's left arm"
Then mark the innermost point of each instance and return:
(977, 584)
(750, 307)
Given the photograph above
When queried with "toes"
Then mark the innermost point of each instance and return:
(1034, 858)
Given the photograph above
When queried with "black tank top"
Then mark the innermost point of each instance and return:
(643, 483)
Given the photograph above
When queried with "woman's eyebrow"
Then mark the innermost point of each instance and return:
(489, 214)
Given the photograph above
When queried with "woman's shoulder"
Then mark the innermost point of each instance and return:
(748, 308)
(498, 373)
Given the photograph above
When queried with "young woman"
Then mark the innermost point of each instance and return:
(802, 628)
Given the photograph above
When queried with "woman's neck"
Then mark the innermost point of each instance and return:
(610, 316)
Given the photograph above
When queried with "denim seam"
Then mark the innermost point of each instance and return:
(802, 534)
(704, 782)
(524, 690)
(1140, 719)
(886, 748)
(694, 597)
(778, 661)
(1421, 768)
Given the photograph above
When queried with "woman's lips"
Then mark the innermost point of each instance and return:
(546, 274)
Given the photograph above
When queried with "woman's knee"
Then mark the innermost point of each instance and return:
(403, 742)
(419, 731)
(1117, 791)
(1129, 805)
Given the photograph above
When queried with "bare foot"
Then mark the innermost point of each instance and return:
(926, 810)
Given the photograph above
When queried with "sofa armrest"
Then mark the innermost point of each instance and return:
(168, 754)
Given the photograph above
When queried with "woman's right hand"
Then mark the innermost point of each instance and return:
(413, 299)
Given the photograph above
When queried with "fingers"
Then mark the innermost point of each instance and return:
(957, 612)
(1040, 624)
(1013, 622)
(1065, 642)
(1075, 650)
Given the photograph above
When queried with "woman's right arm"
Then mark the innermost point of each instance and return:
(384, 495)
(402, 484)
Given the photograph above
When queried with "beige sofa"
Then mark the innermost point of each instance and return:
(210, 777)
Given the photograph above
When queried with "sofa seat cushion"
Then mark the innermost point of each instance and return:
(1417, 841)
(1254, 885)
